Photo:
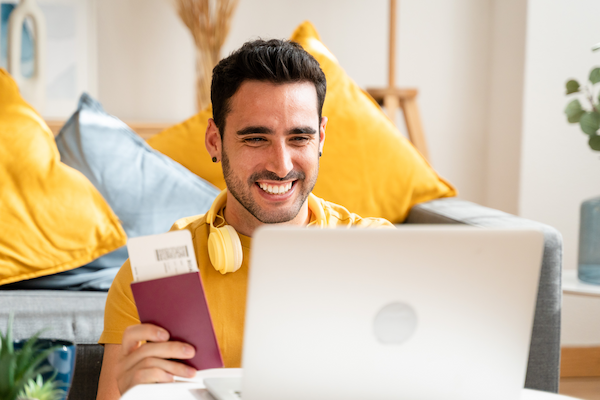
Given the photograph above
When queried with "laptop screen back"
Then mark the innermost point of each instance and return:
(415, 312)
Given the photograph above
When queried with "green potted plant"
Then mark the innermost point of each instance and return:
(588, 118)
(19, 368)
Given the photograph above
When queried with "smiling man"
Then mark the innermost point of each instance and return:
(268, 133)
(269, 151)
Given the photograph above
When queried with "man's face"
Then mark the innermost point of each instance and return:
(270, 149)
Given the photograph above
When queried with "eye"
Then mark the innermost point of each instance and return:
(254, 140)
(300, 139)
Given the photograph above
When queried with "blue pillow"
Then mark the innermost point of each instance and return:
(146, 189)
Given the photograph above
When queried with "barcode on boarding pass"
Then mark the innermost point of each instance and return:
(171, 253)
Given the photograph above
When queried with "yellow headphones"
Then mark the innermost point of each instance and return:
(224, 245)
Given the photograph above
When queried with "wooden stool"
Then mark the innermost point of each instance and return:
(392, 98)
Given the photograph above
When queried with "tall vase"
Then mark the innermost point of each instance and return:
(589, 242)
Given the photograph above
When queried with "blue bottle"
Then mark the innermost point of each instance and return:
(589, 242)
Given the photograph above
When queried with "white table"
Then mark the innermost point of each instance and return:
(572, 285)
(196, 391)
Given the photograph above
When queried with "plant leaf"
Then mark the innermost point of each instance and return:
(17, 367)
(590, 122)
(32, 367)
(594, 142)
(38, 389)
(7, 364)
(574, 111)
(9, 338)
(572, 86)
(595, 75)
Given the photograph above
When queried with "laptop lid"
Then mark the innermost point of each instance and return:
(415, 312)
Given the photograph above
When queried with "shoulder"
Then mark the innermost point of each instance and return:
(197, 225)
(189, 223)
(338, 216)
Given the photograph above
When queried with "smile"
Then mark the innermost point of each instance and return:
(275, 189)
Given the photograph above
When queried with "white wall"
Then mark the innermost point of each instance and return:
(503, 147)
(444, 51)
(145, 61)
(558, 169)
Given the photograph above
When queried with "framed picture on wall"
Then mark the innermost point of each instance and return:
(71, 51)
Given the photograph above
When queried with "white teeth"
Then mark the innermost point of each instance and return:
(276, 189)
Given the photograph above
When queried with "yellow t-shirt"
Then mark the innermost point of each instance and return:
(225, 294)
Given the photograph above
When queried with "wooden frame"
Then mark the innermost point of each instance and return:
(579, 362)
(392, 98)
(406, 99)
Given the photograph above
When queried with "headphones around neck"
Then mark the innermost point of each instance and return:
(224, 245)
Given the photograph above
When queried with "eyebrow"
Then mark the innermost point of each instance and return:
(303, 129)
(249, 130)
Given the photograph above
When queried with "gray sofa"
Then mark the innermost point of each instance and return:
(78, 316)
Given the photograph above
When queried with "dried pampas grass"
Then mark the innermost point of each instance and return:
(209, 22)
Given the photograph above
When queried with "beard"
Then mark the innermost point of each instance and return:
(242, 192)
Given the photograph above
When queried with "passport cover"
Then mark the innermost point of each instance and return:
(177, 303)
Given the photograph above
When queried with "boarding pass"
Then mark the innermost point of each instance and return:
(160, 256)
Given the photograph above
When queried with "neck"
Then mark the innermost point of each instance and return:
(245, 223)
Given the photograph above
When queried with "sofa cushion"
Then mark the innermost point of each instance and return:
(52, 218)
(367, 165)
(66, 315)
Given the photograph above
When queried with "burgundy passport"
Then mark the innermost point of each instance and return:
(177, 303)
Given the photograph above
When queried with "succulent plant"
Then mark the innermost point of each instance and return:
(18, 367)
(42, 390)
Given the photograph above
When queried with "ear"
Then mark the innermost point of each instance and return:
(322, 133)
(212, 140)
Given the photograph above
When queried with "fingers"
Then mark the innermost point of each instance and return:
(150, 375)
(176, 350)
(147, 363)
(135, 334)
(154, 370)
(170, 367)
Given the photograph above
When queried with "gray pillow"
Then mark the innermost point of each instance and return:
(146, 189)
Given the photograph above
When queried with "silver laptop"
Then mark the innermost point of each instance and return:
(412, 313)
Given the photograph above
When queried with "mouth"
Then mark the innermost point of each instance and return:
(276, 189)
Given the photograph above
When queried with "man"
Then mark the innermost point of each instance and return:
(268, 133)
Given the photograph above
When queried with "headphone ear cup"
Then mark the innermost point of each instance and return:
(225, 249)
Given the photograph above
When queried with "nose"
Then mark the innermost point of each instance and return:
(279, 160)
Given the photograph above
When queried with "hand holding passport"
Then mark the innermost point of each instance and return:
(168, 292)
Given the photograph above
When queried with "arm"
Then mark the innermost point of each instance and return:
(107, 386)
(134, 362)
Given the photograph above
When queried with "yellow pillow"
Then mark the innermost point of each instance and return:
(367, 165)
(52, 219)
(184, 143)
